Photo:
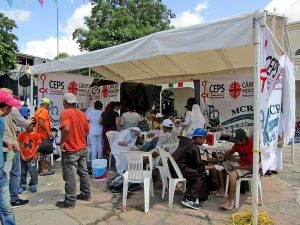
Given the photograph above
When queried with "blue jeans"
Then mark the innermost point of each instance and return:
(14, 178)
(7, 216)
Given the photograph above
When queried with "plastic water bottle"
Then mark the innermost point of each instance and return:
(10, 155)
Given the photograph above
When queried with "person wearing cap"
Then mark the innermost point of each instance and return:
(193, 118)
(124, 142)
(74, 128)
(43, 127)
(244, 147)
(10, 135)
(156, 123)
(6, 214)
(168, 137)
(188, 159)
(29, 141)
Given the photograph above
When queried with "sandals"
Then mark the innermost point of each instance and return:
(48, 173)
(225, 208)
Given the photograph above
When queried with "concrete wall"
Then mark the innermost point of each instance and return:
(180, 97)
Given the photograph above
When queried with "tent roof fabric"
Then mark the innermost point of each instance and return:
(168, 56)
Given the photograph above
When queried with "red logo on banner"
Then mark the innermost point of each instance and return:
(73, 88)
(105, 91)
(204, 95)
(235, 90)
(43, 90)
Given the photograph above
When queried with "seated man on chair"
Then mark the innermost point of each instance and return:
(193, 169)
(244, 147)
(168, 140)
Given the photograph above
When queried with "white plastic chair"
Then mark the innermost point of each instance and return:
(136, 174)
(165, 157)
(238, 189)
(111, 135)
(162, 174)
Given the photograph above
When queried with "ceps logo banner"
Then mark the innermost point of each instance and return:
(54, 86)
(230, 98)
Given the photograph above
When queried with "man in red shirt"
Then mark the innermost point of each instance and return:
(244, 147)
(74, 129)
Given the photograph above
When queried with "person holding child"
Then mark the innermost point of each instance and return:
(29, 141)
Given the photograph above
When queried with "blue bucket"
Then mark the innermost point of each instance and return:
(99, 169)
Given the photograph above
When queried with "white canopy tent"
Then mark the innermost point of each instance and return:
(223, 47)
(174, 55)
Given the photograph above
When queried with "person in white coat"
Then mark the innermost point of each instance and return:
(95, 134)
(124, 142)
(193, 119)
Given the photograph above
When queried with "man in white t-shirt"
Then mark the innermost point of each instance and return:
(130, 118)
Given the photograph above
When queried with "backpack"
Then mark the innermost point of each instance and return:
(143, 125)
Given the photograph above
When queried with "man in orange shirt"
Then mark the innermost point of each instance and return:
(74, 129)
(43, 127)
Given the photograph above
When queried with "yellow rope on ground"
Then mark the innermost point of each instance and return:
(245, 218)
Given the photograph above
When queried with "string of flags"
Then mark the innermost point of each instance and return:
(41, 2)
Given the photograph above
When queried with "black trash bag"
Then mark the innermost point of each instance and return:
(115, 184)
(143, 125)
(47, 146)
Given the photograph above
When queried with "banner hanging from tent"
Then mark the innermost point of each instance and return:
(271, 99)
(230, 98)
(54, 86)
(105, 94)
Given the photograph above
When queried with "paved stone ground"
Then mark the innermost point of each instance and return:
(281, 196)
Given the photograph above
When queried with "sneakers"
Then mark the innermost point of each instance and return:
(21, 190)
(83, 197)
(19, 203)
(33, 188)
(191, 204)
(64, 204)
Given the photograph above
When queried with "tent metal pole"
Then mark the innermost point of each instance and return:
(257, 66)
(293, 151)
(31, 96)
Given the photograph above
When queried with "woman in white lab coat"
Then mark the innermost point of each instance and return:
(193, 119)
(124, 142)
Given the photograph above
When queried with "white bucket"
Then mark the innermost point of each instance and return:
(99, 169)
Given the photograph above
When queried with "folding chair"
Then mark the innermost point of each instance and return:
(136, 174)
(165, 157)
(111, 136)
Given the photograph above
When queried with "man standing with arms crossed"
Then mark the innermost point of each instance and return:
(74, 129)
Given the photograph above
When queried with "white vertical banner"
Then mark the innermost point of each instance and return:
(271, 100)
(105, 94)
(230, 98)
(54, 86)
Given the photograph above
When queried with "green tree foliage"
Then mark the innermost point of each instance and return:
(61, 55)
(8, 46)
(113, 22)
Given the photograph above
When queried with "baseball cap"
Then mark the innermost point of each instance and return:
(135, 128)
(237, 135)
(159, 115)
(45, 101)
(167, 123)
(199, 132)
(70, 98)
(8, 99)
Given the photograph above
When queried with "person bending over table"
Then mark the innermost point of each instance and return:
(124, 142)
(244, 147)
(188, 159)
